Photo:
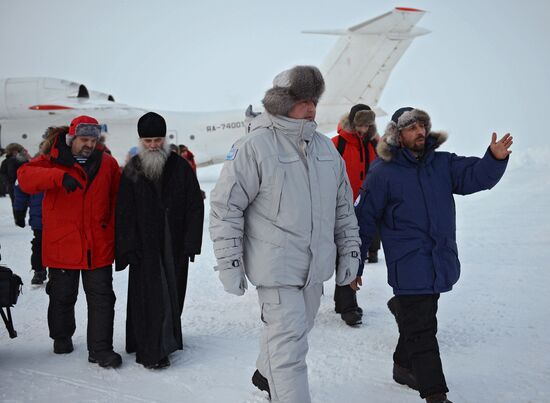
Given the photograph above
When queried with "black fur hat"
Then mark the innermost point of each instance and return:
(300, 83)
(151, 125)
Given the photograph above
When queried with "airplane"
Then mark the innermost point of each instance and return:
(355, 71)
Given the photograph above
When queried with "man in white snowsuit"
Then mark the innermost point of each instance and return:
(282, 213)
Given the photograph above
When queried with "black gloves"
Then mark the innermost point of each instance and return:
(19, 218)
(70, 184)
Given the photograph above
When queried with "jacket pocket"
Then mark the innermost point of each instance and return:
(389, 219)
(276, 183)
(276, 194)
(414, 271)
(264, 256)
(328, 173)
(66, 244)
(267, 296)
(103, 242)
(50, 197)
(449, 263)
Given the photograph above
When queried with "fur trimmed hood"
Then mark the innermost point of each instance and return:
(344, 124)
(293, 85)
(389, 142)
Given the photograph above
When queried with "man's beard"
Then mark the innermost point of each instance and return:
(152, 161)
(85, 152)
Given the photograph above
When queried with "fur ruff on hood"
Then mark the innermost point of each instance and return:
(345, 125)
(297, 84)
(390, 140)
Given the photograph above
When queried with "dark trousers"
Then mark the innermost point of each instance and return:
(417, 348)
(36, 250)
(345, 299)
(63, 291)
(375, 243)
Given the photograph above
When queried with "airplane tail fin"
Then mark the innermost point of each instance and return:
(359, 65)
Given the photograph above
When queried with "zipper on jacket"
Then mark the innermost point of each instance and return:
(419, 166)
(361, 158)
(85, 191)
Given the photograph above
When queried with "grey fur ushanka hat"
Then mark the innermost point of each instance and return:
(300, 83)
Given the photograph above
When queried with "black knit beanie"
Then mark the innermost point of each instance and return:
(151, 125)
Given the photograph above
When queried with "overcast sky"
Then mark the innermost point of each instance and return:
(484, 67)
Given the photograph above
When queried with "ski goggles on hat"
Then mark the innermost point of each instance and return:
(88, 129)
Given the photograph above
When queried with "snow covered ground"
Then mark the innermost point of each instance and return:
(494, 326)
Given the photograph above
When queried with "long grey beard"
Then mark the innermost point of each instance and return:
(152, 161)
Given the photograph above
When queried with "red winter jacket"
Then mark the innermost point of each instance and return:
(354, 154)
(78, 227)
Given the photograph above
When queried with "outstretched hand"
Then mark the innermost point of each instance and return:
(500, 149)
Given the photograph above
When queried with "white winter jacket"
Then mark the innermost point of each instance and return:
(283, 207)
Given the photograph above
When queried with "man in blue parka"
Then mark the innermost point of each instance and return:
(408, 194)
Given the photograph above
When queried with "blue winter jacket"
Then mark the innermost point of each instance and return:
(412, 203)
(22, 201)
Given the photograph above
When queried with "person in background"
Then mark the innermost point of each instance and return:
(187, 155)
(356, 143)
(16, 155)
(33, 203)
(132, 152)
(3, 179)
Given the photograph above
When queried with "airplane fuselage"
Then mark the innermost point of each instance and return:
(355, 71)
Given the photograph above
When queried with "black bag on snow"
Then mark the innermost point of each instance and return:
(10, 288)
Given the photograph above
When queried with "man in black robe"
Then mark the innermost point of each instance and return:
(159, 220)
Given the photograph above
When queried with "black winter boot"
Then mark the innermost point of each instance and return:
(105, 359)
(260, 382)
(353, 318)
(345, 303)
(63, 346)
(404, 376)
(162, 363)
(392, 306)
(438, 398)
(39, 277)
(372, 257)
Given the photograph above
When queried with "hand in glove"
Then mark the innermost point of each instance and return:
(20, 218)
(70, 184)
(348, 266)
(233, 278)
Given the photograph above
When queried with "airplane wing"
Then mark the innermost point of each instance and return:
(359, 65)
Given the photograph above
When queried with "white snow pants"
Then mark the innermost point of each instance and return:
(288, 314)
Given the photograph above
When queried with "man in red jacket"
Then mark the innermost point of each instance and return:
(356, 142)
(80, 183)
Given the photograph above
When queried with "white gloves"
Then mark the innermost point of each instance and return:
(348, 265)
(232, 277)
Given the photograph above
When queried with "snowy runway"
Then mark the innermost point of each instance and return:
(493, 327)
